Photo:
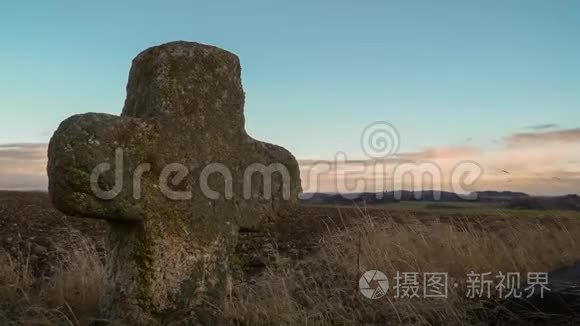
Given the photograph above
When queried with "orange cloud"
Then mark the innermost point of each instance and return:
(548, 167)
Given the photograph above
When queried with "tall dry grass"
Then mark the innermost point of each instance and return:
(321, 289)
(69, 296)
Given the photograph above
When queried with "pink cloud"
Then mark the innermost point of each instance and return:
(547, 167)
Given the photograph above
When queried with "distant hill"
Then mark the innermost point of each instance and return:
(563, 202)
(508, 199)
(499, 195)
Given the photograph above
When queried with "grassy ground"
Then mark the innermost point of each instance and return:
(319, 286)
(70, 296)
(323, 289)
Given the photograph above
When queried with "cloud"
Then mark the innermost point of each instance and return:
(547, 165)
(543, 167)
(23, 151)
(338, 161)
(23, 145)
(543, 126)
(23, 166)
(23, 182)
(442, 153)
(563, 136)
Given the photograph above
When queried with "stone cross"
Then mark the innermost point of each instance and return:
(177, 176)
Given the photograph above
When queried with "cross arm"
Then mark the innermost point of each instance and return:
(85, 156)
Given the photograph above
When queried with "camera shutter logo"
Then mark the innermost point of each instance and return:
(373, 284)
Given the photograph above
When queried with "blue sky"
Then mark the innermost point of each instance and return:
(445, 73)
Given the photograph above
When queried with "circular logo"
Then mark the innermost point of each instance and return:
(380, 140)
(373, 284)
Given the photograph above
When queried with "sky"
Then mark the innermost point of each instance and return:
(495, 82)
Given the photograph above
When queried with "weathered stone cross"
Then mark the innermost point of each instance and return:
(171, 230)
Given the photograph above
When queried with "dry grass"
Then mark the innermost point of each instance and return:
(321, 289)
(70, 296)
